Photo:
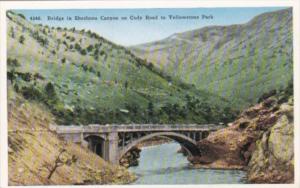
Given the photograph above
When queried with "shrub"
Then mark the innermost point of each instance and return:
(12, 32)
(31, 93)
(77, 47)
(11, 76)
(65, 43)
(102, 53)
(22, 39)
(13, 62)
(90, 48)
(63, 60)
(99, 74)
(83, 52)
(25, 76)
(50, 90)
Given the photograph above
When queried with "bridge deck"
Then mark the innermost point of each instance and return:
(93, 128)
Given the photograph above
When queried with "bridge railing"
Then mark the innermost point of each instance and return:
(133, 127)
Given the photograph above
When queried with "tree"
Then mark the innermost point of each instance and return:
(59, 161)
(22, 39)
(89, 32)
(99, 74)
(126, 84)
(50, 90)
(83, 52)
(12, 32)
(13, 62)
(44, 31)
(102, 53)
(90, 48)
(65, 43)
(150, 109)
(63, 60)
(96, 52)
(44, 42)
(77, 47)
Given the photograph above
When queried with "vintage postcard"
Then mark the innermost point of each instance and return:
(149, 95)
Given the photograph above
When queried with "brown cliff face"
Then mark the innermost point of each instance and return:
(273, 159)
(259, 141)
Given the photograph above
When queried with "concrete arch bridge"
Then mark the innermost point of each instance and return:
(111, 142)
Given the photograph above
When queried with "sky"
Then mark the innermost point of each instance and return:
(131, 32)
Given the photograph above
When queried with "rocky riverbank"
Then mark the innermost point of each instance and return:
(131, 158)
(259, 141)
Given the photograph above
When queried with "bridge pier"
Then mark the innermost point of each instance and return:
(112, 148)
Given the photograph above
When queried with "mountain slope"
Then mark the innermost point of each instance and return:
(33, 150)
(83, 78)
(238, 62)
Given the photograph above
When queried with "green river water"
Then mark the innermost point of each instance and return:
(162, 164)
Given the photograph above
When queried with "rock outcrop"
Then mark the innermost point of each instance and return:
(259, 141)
(131, 158)
(273, 159)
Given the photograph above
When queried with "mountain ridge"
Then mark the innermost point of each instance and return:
(84, 78)
(230, 50)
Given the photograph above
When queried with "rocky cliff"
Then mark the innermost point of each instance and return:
(259, 141)
(273, 159)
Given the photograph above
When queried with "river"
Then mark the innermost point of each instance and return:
(161, 164)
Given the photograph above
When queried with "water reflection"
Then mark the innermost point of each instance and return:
(163, 165)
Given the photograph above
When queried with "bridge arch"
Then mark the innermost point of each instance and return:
(187, 143)
(96, 143)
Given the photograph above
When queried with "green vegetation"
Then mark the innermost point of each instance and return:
(237, 62)
(22, 39)
(97, 81)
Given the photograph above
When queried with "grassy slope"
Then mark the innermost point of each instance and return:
(32, 147)
(106, 85)
(238, 62)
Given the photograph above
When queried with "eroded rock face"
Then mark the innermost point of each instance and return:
(259, 141)
(273, 160)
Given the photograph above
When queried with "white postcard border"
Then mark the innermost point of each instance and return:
(145, 4)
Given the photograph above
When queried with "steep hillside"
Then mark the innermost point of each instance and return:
(83, 78)
(238, 62)
(34, 150)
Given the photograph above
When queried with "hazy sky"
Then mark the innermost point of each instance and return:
(130, 32)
